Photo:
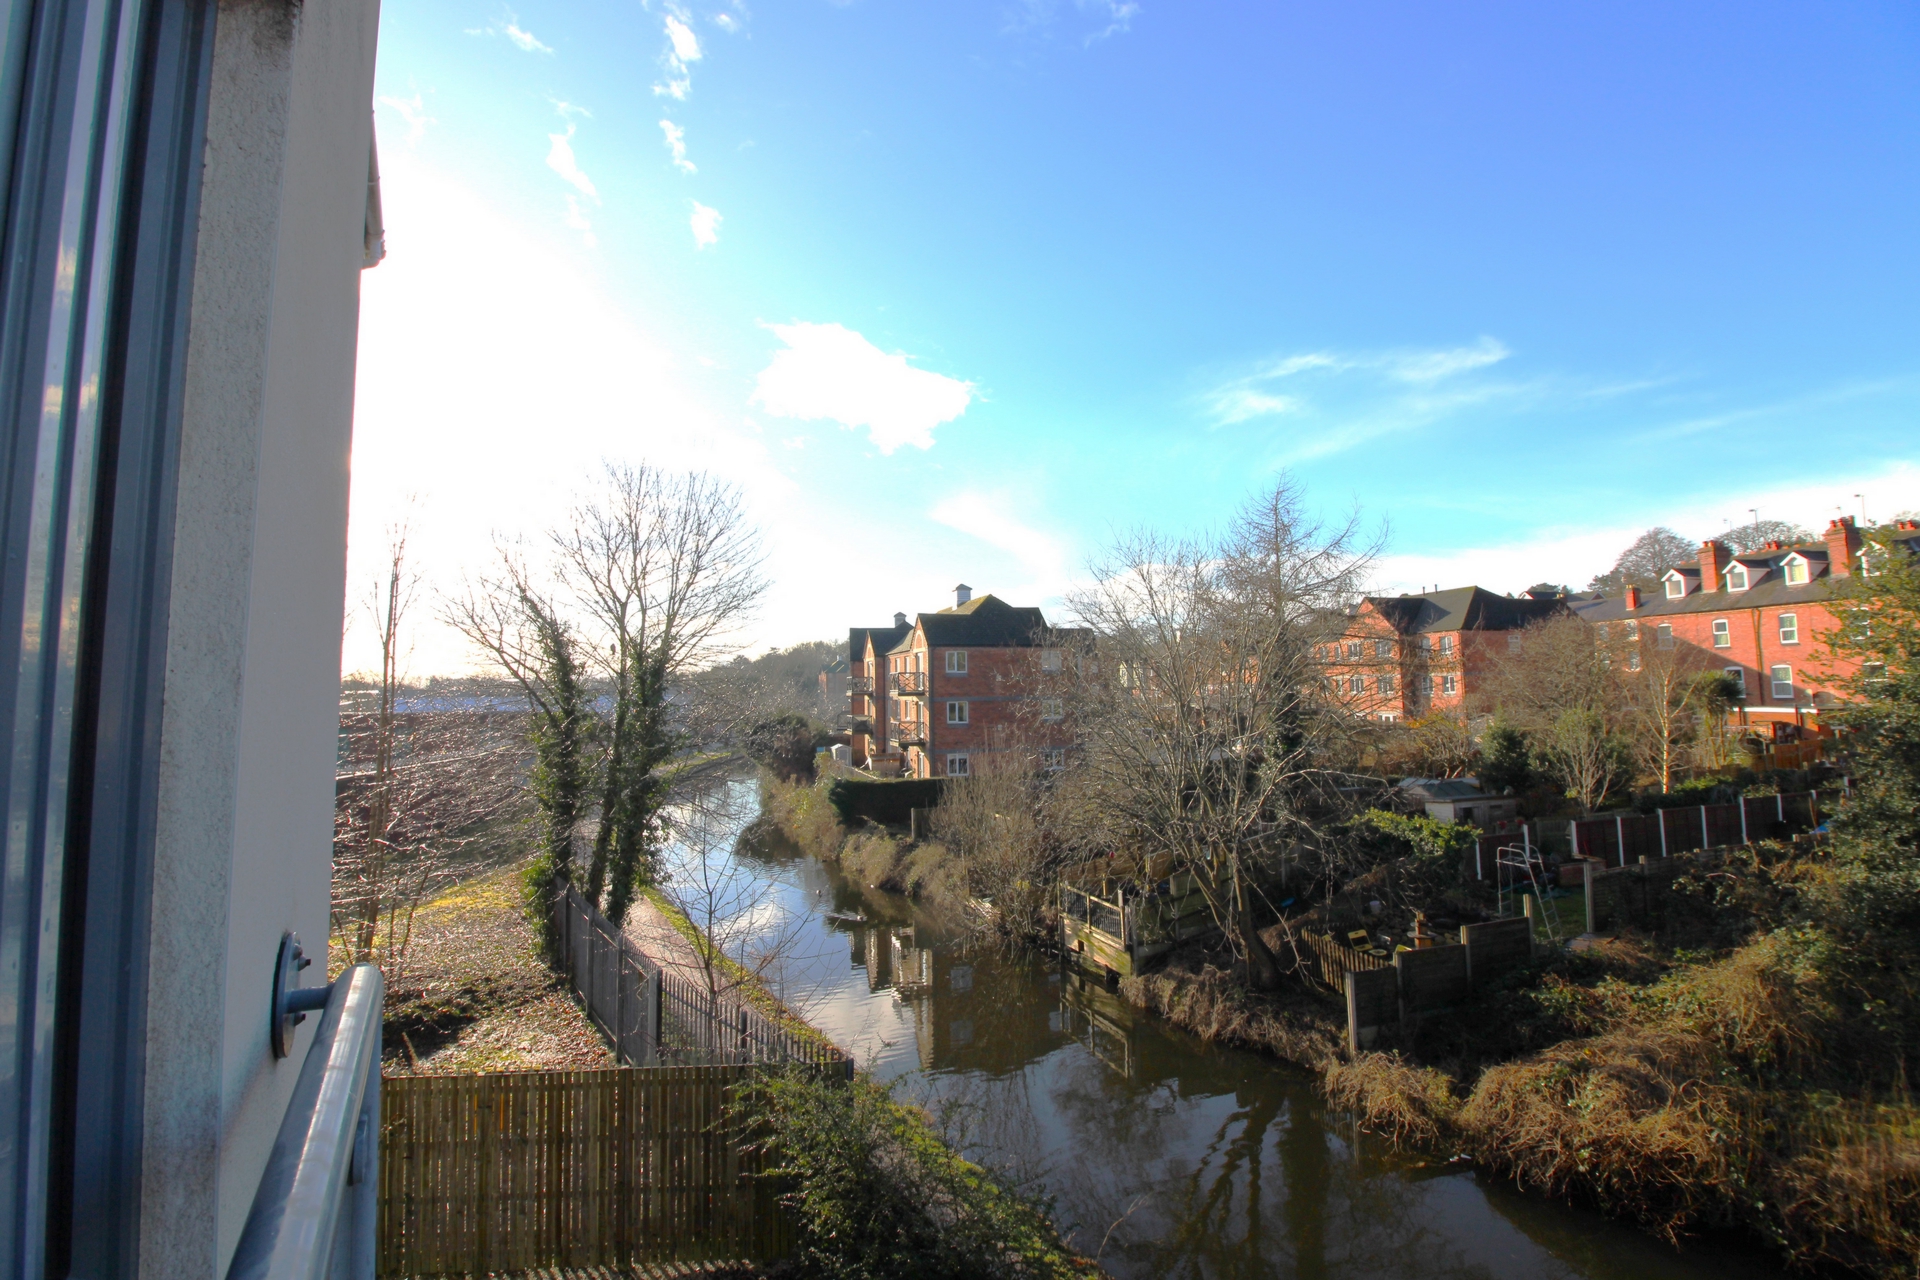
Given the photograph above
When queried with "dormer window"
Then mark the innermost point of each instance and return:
(1797, 571)
(1737, 578)
(1676, 586)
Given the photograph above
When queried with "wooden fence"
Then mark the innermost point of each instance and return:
(1386, 991)
(1624, 838)
(512, 1171)
(652, 1015)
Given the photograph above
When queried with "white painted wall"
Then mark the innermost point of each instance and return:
(246, 788)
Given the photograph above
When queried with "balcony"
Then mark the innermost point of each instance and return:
(910, 684)
(911, 734)
(860, 684)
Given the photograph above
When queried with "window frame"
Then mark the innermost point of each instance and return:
(1663, 635)
(956, 662)
(1746, 577)
(1722, 633)
(1789, 624)
(1446, 646)
(1449, 685)
(960, 758)
(1676, 585)
(1052, 709)
(1796, 564)
(958, 705)
(1052, 660)
(1739, 675)
(1774, 682)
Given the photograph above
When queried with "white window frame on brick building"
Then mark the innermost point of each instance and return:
(956, 662)
(1426, 685)
(1722, 634)
(1633, 660)
(1633, 629)
(1383, 648)
(1737, 579)
(1353, 650)
(1739, 677)
(958, 765)
(1796, 570)
(1782, 689)
(1050, 660)
(1053, 757)
(1446, 645)
(1052, 709)
(956, 712)
(1663, 635)
(1789, 628)
(1356, 684)
(1676, 585)
(1449, 684)
(1385, 684)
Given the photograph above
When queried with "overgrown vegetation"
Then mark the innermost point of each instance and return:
(878, 1193)
(1752, 1070)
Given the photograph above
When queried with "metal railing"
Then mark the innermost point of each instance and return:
(909, 683)
(860, 684)
(654, 1016)
(317, 1207)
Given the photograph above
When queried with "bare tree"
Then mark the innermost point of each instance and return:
(414, 785)
(1666, 688)
(1560, 688)
(1756, 534)
(1207, 727)
(664, 570)
(1641, 564)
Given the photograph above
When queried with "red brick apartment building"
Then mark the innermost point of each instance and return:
(1411, 655)
(932, 698)
(1759, 616)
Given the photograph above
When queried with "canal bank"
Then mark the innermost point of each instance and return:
(1165, 1156)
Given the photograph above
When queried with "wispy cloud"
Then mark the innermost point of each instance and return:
(1342, 399)
(1107, 18)
(706, 225)
(414, 111)
(677, 146)
(827, 371)
(577, 220)
(561, 160)
(683, 50)
(994, 519)
(509, 26)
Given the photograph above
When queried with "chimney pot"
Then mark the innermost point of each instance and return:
(899, 619)
(962, 594)
(1633, 596)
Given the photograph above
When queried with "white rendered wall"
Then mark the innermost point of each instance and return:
(245, 826)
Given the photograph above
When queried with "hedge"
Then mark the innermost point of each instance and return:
(884, 801)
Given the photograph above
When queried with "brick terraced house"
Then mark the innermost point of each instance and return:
(1410, 655)
(954, 687)
(1759, 616)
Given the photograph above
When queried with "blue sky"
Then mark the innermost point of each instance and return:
(952, 291)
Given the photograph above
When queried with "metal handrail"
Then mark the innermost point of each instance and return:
(909, 683)
(319, 1194)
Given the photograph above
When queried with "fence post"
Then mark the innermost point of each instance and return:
(1779, 808)
(1587, 870)
(1620, 836)
(1706, 837)
(1662, 815)
(1813, 809)
(1743, 821)
(1479, 872)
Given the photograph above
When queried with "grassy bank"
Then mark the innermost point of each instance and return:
(875, 856)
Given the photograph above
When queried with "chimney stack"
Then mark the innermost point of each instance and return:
(962, 594)
(1632, 594)
(1843, 547)
(1714, 558)
(899, 619)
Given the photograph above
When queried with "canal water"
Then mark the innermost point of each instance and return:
(1165, 1157)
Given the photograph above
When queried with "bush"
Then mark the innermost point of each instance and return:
(876, 1193)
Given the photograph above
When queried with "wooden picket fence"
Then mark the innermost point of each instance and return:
(509, 1172)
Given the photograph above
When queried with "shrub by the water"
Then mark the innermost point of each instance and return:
(877, 1194)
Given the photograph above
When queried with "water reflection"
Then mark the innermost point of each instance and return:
(1163, 1155)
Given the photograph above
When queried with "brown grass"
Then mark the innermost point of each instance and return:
(1411, 1106)
(1211, 1004)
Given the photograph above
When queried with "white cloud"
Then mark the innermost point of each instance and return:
(829, 371)
(522, 39)
(414, 111)
(677, 145)
(577, 219)
(561, 160)
(686, 45)
(992, 518)
(706, 225)
(1117, 15)
(727, 23)
(1571, 557)
(683, 47)
(1239, 403)
(1431, 366)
